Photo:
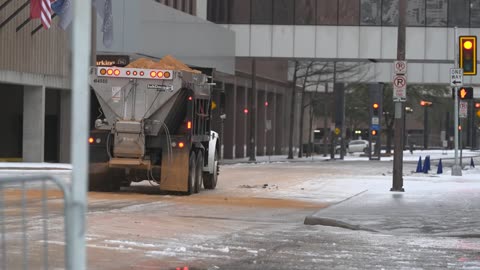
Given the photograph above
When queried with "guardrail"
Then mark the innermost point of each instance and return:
(33, 213)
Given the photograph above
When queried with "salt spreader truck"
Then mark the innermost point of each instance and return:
(154, 124)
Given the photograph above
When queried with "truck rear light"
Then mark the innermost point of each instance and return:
(91, 140)
(166, 74)
(135, 73)
(181, 144)
(116, 72)
(160, 74)
(128, 72)
(189, 124)
(142, 73)
(103, 71)
(153, 74)
(110, 71)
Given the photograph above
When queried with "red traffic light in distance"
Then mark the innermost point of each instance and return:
(477, 105)
(266, 103)
(245, 111)
(375, 106)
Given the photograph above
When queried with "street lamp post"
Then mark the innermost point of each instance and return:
(425, 105)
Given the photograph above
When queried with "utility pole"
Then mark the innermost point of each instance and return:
(397, 184)
(456, 169)
(253, 110)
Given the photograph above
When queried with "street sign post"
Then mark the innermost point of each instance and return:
(400, 88)
(456, 77)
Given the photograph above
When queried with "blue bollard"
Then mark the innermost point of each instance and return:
(428, 163)
(440, 167)
(419, 165)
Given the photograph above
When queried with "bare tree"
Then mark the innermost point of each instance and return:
(313, 73)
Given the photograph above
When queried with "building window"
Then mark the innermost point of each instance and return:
(458, 13)
(283, 12)
(437, 12)
(416, 13)
(305, 12)
(371, 12)
(239, 11)
(348, 12)
(475, 13)
(262, 11)
(217, 11)
(327, 12)
(390, 12)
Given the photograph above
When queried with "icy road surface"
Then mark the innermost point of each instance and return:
(254, 220)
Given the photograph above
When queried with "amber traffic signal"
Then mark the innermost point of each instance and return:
(424, 103)
(468, 55)
(374, 132)
(375, 107)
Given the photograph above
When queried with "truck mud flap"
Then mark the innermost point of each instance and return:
(175, 170)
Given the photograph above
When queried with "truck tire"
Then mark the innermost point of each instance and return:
(210, 179)
(192, 169)
(199, 172)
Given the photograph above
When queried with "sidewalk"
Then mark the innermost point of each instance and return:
(407, 157)
(441, 205)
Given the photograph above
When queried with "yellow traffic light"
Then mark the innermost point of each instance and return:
(468, 45)
(468, 55)
(463, 93)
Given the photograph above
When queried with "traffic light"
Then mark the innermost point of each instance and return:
(375, 107)
(468, 55)
(424, 103)
(465, 93)
(374, 132)
(245, 111)
(477, 108)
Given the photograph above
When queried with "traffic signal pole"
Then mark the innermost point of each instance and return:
(397, 184)
(456, 170)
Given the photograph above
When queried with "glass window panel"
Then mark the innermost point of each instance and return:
(348, 12)
(239, 11)
(217, 11)
(370, 12)
(416, 13)
(327, 12)
(283, 11)
(305, 12)
(262, 11)
(458, 13)
(390, 12)
(475, 13)
(437, 12)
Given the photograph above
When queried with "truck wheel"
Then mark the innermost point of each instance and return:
(210, 180)
(199, 172)
(191, 173)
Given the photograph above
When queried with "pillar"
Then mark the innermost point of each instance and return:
(33, 123)
(65, 126)
(229, 123)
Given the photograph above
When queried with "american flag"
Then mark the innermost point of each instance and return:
(41, 9)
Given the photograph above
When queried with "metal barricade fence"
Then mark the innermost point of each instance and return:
(34, 222)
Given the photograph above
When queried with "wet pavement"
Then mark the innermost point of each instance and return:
(255, 220)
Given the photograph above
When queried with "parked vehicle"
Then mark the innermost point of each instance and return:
(359, 146)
